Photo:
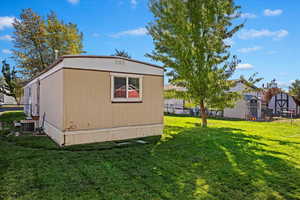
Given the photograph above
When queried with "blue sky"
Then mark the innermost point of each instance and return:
(269, 43)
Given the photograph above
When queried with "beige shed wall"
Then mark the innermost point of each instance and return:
(238, 111)
(87, 102)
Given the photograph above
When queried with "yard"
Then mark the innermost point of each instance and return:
(228, 160)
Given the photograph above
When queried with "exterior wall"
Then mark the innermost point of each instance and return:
(50, 105)
(8, 100)
(51, 99)
(30, 99)
(292, 104)
(174, 106)
(239, 111)
(87, 102)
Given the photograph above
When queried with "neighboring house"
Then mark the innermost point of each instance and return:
(255, 105)
(282, 103)
(249, 106)
(85, 99)
(7, 100)
(279, 102)
(174, 106)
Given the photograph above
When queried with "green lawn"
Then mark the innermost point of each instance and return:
(229, 160)
(9, 116)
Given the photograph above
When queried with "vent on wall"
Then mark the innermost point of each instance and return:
(120, 62)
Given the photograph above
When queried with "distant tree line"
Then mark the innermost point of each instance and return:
(37, 41)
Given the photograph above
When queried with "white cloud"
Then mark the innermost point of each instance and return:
(250, 49)
(285, 85)
(271, 52)
(248, 15)
(6, 37)
(133, 3)
(252, 33)
(96, 35)
(229, 42)
(269, 12)
(6, 22)
(73, 1)
(133, 32)
(6, 51)
(245, 66)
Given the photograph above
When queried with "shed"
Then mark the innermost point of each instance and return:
(86, 99)
(248, 107)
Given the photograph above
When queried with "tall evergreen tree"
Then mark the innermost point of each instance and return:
(36, 41)
(189, 38)
(121, 53)
(11, 85)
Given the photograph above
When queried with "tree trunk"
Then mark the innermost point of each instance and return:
(203, 114)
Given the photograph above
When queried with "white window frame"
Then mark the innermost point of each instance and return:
(127, 76)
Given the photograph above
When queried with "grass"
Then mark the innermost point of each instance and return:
(9, 116)
(228, 160)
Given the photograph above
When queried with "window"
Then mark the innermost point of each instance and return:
(120, 89)
(126, 88)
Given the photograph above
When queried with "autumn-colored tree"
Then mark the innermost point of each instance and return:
(36, 40)
(62, 38)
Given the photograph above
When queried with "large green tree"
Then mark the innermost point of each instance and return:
(190, 39)
(294, 90)
(36, 41)
(10, 84)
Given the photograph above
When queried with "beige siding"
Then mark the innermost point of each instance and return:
(87, 102)
(239, 111)
(51, 99)
(34, 99)
(30, 101)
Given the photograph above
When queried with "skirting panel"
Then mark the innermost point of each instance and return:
(110, 134)
(54, 133)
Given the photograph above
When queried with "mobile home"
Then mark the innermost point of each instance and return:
(86, 99)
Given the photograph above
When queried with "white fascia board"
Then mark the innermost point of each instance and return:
(44, 75)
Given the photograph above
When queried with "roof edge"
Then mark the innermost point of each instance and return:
(61, 58)
(111, 57)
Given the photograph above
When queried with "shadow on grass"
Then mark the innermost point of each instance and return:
(187, 163)
(228, 164)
